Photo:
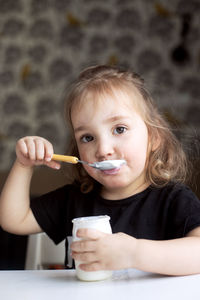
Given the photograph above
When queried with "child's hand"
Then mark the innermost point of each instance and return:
(101, 251)
(35, 150)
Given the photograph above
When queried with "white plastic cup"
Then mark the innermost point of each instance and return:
(97, 222)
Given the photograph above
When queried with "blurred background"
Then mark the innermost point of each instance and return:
(44, 44)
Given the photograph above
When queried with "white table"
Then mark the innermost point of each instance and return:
(126, 284)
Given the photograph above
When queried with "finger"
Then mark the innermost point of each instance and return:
(48, 151)
(39, 149)
(89, 233)
(86, 257)
(83, 246)
(52, 164)
(31, 148)
(22, 147)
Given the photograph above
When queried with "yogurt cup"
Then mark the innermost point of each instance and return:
(96, 222)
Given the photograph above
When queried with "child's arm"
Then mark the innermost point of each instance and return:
(120, 251)
(15, 213)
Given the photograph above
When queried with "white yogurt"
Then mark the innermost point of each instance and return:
(97, 222)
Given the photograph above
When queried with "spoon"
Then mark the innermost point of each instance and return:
(101, 165)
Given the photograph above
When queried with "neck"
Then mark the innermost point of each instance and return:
(117, 194)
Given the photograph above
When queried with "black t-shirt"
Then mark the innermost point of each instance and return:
(155, 213)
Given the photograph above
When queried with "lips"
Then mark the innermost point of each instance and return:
(111, 172)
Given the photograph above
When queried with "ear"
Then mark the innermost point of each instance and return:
(156, 144)
(155, 140)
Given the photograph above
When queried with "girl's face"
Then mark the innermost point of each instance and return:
(110, 128)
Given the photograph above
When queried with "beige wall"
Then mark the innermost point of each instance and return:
(45, 44)
(44, 180)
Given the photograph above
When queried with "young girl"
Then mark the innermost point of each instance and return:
(154, 217)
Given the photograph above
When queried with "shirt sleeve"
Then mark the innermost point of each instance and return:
(184, 211)
(50, 211)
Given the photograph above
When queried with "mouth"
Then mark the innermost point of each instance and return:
(111, 171)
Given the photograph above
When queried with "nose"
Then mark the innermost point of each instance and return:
(104, 149)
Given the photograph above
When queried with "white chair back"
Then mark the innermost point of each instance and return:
(42, 252)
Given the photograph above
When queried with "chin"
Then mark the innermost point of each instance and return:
(115, 184)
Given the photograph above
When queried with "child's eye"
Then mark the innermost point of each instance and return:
(119, 130)
(86, 138)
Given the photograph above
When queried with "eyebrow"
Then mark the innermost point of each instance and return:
(109, 120)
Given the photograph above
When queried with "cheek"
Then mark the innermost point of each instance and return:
(84, 154)
(91, 172)
(81, 150)
(136, 150)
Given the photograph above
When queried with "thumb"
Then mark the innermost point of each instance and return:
(53, 164)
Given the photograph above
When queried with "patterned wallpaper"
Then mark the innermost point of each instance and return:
(45, 43)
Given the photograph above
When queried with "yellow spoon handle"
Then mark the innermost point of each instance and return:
(65, 158)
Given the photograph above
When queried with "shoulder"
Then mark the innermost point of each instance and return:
(183, 192)
(182, 198)
(64, 190)
(67, 192)
(57, 197)
(173, 196)
(174, 191)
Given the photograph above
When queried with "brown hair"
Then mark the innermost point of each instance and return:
(166, 162)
